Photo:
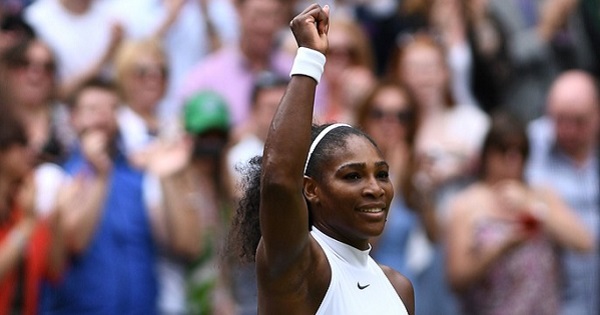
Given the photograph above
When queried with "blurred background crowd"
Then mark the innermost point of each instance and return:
(125, 127)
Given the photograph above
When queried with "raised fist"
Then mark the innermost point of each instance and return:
(310, 28)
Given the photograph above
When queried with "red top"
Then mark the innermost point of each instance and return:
(36, 266)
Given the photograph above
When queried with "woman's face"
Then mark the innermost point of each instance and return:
(260, 21)
(354, 195)
(33, 78)
(423, 70)
(145, 83)
(504, 163)
(388, 118)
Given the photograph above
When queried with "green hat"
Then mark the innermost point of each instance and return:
(204, 111)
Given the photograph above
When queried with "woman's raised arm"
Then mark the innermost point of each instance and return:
(283, 210)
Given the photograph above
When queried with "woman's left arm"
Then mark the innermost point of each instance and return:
(561, 222)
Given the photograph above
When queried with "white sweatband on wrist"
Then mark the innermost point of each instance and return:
(318, 139)
(308, 62)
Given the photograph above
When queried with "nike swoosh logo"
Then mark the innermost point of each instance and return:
(361, 287)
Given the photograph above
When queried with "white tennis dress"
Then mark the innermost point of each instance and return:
(358, 285)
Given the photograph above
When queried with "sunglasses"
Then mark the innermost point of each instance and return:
(341, 50)
(145, 71)
(48, 66)
(401, 116)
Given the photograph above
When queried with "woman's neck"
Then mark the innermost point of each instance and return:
(32, 114)
(37, 121)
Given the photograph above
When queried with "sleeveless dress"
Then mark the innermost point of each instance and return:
(358, 285)
(524, 281)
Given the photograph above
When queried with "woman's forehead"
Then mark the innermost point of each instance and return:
(357, 149)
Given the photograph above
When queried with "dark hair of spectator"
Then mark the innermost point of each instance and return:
(16, 24)
(16, 57)
(93, 83)
(506, 132)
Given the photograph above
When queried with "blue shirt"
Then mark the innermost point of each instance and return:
(578, 186)
(115, 274)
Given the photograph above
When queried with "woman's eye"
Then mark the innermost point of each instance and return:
(352, 176)
(383, 174)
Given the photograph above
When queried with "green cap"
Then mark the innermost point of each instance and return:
(204, 111)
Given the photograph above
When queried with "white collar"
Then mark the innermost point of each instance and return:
(350, 254)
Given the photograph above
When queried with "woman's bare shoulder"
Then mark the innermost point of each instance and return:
(403, 287)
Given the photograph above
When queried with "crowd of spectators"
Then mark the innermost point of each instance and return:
(125, 123)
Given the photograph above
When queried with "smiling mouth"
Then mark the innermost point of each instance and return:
(372, 210)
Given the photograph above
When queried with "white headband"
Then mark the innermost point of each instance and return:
(318, 139)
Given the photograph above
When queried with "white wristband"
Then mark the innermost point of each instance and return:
(308, 62)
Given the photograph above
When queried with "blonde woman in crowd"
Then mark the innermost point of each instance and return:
(141, 75)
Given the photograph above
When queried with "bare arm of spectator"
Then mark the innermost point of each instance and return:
(13, 246)
(213, 35)
(83, 209)
(561, 222)
(556, 218)
(182, 230)
(554, 16)
(527, 45)
(466, 261)
(174, 7)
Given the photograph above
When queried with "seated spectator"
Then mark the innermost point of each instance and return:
(565, 155)
(188, 31)
(141, 70)
(29, 82)
(31, 248)
(207, 123)
(446, 153)
(112, 230)
(446, 146)
(141, 75)
(504, 234)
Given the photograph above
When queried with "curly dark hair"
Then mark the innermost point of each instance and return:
(244, 234)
